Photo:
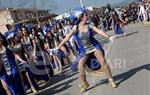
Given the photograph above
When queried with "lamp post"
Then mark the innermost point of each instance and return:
(81, 3)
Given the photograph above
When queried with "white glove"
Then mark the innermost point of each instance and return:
(111, 38)
(53, 51)
(41, 35)
(50, 52)
(24, 62)
(11, 35)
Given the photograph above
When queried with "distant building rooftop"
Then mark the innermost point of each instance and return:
(25, 9)
(14, 16)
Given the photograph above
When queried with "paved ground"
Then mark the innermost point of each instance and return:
(129, 60)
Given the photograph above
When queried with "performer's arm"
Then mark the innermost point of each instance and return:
(68, 36)
(112, 24)
(34, 46)
(26, 51)
(122, 20)
(95, 29)
(0, 64)
(18, 57)
(47, 46)
(28, 54)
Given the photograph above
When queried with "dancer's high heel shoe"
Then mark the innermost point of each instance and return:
(84, 87)
(33, 90)
(112, 83)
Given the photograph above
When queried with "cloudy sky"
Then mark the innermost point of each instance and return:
(58, 6)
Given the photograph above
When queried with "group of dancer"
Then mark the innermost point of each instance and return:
(31, 55)
(26, 56)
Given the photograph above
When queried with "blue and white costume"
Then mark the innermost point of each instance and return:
(87, 44)
(20, 51)
(5, 78)
(43, 62)
(8, 58)
(117, 27)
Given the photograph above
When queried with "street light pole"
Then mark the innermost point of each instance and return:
(81, 3)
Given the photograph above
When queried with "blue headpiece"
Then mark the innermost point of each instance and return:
(46, 29)
(76, 14)
(10, 35)
(18, 26)
(6, 34)
(29, 26)
(55, 22)
(79, 12)
(75, 20)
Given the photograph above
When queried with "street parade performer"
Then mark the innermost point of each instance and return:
(84, 34)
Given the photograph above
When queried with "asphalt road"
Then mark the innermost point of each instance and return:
(129, 60)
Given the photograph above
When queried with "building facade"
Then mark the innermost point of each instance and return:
(12, 16)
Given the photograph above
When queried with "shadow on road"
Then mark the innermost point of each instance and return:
(129, 34)
(60, 77)
(58, 88)
(49, 89)
(125, 76)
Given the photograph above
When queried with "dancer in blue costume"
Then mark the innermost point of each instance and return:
(19, 51)
(5, 81)
(71, 43)
(41, 54)
(50, 41)
(9, 59)
(64, 50)
(116, 24)
(84, 34)
(2, 90)
(31, 45)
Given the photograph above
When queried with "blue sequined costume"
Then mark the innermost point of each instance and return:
(5, 78)
(8, 57)
(88, 45)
